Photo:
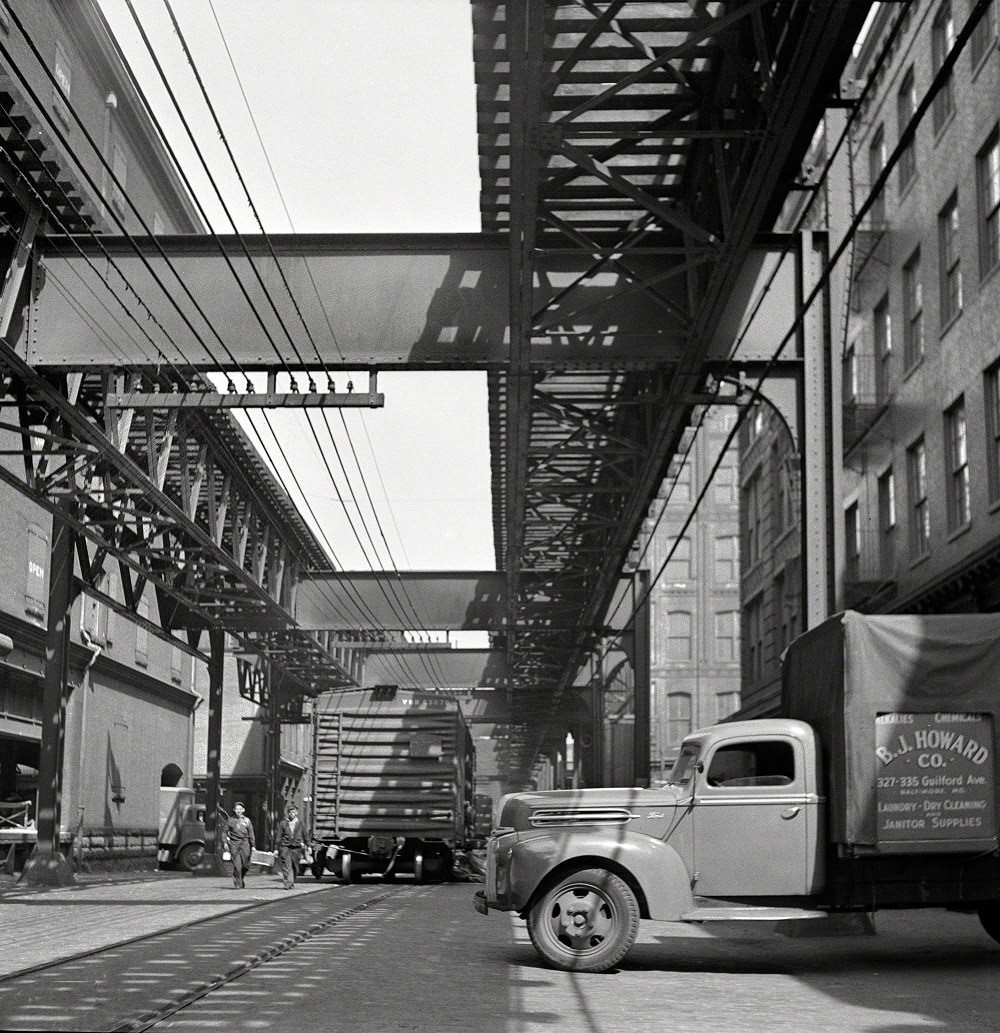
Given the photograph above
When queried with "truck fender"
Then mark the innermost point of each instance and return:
(650, 866)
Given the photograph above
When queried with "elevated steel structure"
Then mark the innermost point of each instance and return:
(631, 155)
(655, 140)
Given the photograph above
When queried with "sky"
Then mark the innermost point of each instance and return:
(365, 112)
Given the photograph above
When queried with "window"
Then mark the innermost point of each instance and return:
(983, 35)
(850, 376)
(957, 459)
(35, 601)
(876, 163)
(991, 389)
(678, 717)
(142, 635)
(726, 703)
(679, 567)
(942, 40)
(786, 593)
(779, 490)
(765, 763)
(727, 636)
(119, 165)
(913, 312)
(852, 543)
(724, 485)
(920, 517)
(883, 349)
(726, 548)
(755, 638)
(679, 635)
(906, 105)
(887, 522)
(752, 509)
(988, 185)
(951, 265)
(64, 77)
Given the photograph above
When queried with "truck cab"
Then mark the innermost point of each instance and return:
(181, 838)
(751, 811)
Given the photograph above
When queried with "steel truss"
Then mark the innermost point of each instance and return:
(180, 501)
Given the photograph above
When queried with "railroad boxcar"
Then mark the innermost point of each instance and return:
(392, 784)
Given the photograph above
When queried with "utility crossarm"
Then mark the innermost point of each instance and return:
(270, 399)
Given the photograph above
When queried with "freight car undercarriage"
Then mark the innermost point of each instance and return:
(352, 857)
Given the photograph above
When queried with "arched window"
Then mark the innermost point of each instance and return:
(170, 775)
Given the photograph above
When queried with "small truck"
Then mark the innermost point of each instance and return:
(181, 840)
(875, 788)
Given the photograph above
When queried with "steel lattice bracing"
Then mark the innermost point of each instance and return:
(180, 501)
(654, 139)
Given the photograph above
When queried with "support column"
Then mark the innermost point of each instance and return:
(47, 865)
(272, 761)
(212, 864)
(640, 678)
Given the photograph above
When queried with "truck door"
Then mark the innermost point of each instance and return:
(750, 819)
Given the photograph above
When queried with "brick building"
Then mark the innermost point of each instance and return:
(917, 351)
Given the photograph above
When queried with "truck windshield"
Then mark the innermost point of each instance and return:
(685, 764)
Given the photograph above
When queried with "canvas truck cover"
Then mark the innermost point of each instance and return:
(906, 707)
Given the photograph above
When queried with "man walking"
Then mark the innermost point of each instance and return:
(240, 841)
(289, 846)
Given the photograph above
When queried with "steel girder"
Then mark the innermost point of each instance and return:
(623, 132)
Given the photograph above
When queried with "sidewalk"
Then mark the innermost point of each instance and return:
(40, 925)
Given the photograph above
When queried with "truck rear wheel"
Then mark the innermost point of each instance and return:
(586, 922)
(989, 915)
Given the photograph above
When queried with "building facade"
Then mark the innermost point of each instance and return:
(917, 351)
(694, 602)
(80, 147)
(921, 368)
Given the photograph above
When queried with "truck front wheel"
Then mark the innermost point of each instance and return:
(190, 857)
(586, 922)
(989, 915)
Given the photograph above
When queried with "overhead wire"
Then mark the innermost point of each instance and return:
(333, 335)
(358, 601)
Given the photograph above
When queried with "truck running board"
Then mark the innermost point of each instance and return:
(750, 913)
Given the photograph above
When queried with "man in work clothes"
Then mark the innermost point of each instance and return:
(289, 846)
(240, 841)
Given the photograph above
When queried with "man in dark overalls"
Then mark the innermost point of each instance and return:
(289, 846)
(240, 841)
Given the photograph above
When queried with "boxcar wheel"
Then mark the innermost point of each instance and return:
(586, 922)
(191, 856)
(318, 864)
(350, 871)
(989, 915)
